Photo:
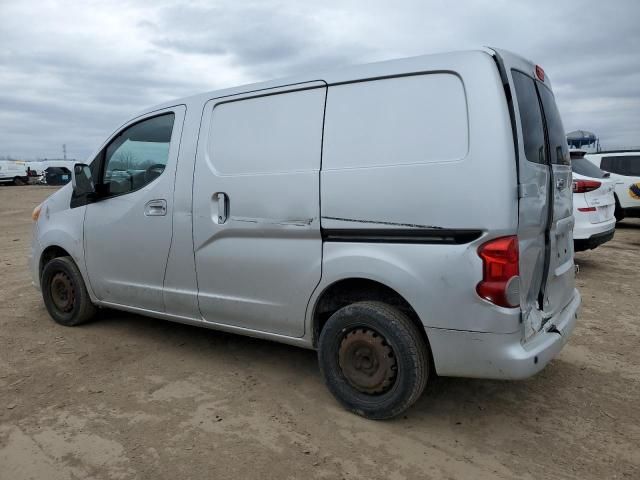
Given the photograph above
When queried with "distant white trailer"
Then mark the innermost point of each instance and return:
(13, 172)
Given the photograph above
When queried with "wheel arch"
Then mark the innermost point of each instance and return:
(345, 291)
(48, 254)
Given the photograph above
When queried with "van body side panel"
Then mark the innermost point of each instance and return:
(388, 161)
(399, 174)
(432, 278)
(257, 242)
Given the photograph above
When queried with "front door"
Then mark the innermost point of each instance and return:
(256, 208)
(127, 232)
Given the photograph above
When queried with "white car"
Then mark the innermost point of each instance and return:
(593, 204)
(624, 167)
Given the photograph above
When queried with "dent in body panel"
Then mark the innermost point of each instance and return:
(275, 221)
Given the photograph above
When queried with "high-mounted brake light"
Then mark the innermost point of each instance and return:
(584, 186)
(540, 73)
(587, 209)
(500, 269)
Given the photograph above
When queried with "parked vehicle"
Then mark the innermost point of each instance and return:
(593, 204)
(13, 172)
(624, 167)
(57, 176)
(335, 214)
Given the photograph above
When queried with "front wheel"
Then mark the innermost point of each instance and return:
(65, 294)
(373, 359)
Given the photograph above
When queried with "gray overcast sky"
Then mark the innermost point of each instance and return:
(73, 71)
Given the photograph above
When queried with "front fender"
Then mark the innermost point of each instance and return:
(61, 226)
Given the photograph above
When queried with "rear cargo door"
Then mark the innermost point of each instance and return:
(534, 204)
(557, 289)
(545, 217)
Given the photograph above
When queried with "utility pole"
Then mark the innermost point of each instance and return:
(64, 151)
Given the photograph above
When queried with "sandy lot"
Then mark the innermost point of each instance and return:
(132, 397)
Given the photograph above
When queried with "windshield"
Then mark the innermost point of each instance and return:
(584, 167)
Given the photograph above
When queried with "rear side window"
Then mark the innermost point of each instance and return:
(623, 165)
(530, 117)
(584, 167)
(558, 148)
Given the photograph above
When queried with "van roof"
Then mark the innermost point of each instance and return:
(388, 68)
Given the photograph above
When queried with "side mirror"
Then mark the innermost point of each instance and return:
(81, 180)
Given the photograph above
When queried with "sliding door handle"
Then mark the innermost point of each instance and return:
(223, 206)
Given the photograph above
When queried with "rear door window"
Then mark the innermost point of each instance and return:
(584, 167)
(530, 117)
(558, 148)
(623, 165)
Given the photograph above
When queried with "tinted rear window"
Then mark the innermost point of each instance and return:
(584, 167)
(530, 117)
(624, 165)
(558, 148)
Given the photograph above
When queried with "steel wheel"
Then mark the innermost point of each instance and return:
(62, 292)
(367, 361)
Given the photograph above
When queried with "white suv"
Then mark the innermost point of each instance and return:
(593, 204)
(624, 166)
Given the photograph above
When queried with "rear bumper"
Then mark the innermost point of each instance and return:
(584, 229)
(593, 241)
(501, 356)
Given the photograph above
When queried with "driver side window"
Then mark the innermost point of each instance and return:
(138, 155)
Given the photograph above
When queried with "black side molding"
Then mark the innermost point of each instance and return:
(404, 235)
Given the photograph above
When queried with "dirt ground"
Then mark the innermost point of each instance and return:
(129, 397)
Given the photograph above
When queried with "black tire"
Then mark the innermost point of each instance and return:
(399, 334)
(65, 294)
(19, 181)
(619, 211)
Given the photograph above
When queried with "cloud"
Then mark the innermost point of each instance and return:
(72, 72)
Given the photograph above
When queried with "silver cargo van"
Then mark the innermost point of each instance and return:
(404, 218)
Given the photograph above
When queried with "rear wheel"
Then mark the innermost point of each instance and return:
(19, 181)
(373, 359)
(65, 294)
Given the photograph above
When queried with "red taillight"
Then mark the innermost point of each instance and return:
(587, 209)
(540, 73)
(584, 186)
(500, 258)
